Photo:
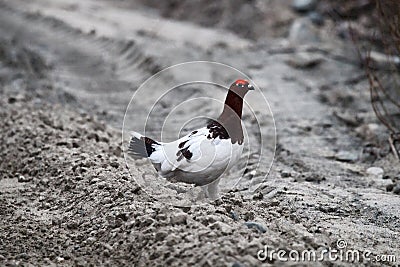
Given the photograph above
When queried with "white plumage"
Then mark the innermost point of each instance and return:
(209, 158)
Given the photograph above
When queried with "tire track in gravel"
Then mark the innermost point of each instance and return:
(84, 66)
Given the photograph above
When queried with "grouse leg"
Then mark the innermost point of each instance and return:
(212, 190)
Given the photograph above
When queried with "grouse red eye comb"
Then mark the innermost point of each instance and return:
(241, 82)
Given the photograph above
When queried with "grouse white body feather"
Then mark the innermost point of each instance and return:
(194, 158)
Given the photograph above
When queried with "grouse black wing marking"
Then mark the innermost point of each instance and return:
(184, 152)
(217, 130)
(182, 144)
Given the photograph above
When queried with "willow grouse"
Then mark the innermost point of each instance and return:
(202, 156)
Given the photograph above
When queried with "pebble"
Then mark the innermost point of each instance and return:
(160, 236)
(382, 61)
(101, 185)
(258, 196)
(106, 253)
(44, 181)
(23, 256)
(316, 18)
(368, 131)
(94, 180)
(234, 216)
(23, 179)
(396, 189)
(147, 222)
(285, 174)
(304, 60)
(209, 219)
(390, 187)
(375, 171)
(179, 218)
(303, 32)
(313, 177)
(171, 239)
(256, 226)
(114, 164)
(303, 5)
(346, 156)
(222, 227)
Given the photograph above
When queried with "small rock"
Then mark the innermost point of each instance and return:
(75, 144)
(106, 253)
(12, 100)
(285, 174)
(62, 143)
(346, 156)
(313, 177)
(101, 185)
(114, 164)
(258, 196)
(147, 222)
(234, 216)
(94, 180)
(209, 219)
(44, 181)
(396, 189)
(123, 216)
(382, 61)
(23, 179)
(257, 226)
(375, 171)
(303, 5)
(390, 187)
(94, 136)
(171, 239)
(161, 217)
(23, 256)
(117, 151)
(368, 131)
(160, 236)
(179, 218)
(304, 60)
(237, 264)
(104, 139)
(316, 18)
(222, 227)
(303, 32)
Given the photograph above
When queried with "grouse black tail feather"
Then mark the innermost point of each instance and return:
(141, 146)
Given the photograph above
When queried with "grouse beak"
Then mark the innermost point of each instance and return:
(250, 87)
